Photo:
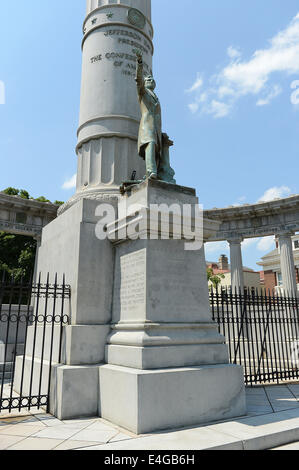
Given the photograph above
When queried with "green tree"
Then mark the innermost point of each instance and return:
(17, 252)
(17, 255)
(215, 279)
(11, 191)
(24, 194)
(42, 199)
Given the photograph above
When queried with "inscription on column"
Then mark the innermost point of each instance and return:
(124, 61)
(129, 292)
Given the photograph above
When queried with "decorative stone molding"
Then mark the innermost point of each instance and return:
(257, 220)
(25, 216)
(94, 196)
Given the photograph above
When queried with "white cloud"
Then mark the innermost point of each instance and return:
(249, 242)
(196, 85)
(241, 200)
(70, 183)
(224, 91)
(2, 92)
(295, 94)
(233, 53)
(275, 193)
(266, 244)
(213, 247)
(193, 107)
(276, 90)
(218, 109)
(253, 76)
(201, 98)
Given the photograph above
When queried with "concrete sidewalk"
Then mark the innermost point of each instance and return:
(272, 421)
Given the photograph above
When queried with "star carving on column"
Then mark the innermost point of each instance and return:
(94, 21)
(109, 15)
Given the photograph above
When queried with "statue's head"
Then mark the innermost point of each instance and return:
(149, 82)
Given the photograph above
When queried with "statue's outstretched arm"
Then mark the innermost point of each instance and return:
(139, 74)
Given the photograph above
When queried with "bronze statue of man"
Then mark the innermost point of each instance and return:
(153, 145)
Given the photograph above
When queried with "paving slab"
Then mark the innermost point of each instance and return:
(20, 430)
(49, 420)
(8, 441)
(20, 419)
(294, 389)
(256, 433)
(64, 431)
(191, 439)
(265, 427)
(32, 443)
(263, 432)
(74, 445)
(121, 437)
(80, 423)
(256, 410)
(294, 446)
(95, 435)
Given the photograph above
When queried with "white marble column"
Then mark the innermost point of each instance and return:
(237, 273)
(287, 263)
(109, 107)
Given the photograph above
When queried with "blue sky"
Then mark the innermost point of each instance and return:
(224, 72)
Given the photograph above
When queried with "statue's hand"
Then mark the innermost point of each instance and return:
(167, 141)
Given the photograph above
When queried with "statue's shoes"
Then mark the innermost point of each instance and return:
(153, 176)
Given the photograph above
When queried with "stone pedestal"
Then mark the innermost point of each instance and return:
(69, 246)
(167, 363)
(147, 401)
(142, 350)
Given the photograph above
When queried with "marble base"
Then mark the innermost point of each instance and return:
(74, 392)
(148, 401)
(166, 356)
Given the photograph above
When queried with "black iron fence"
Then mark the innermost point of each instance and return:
(32, 316)
(261, 331)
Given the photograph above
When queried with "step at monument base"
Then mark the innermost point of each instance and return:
(148, 401)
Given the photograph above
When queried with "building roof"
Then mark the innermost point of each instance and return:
(223, 271)
(271, 254)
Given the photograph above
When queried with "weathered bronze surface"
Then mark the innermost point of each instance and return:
(153, 145)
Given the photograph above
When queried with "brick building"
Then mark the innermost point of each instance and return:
(251, 277)
(271, 277)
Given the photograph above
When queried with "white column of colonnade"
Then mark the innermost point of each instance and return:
(287, 263)
(237, 273)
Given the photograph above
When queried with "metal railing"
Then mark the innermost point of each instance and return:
(261, 331)
(32, 317)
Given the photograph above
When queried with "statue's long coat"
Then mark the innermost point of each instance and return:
(150, 129)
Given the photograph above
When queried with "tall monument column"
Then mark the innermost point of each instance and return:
(109, 110)
(142, 349)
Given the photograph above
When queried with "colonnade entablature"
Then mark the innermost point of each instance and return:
(25, 216)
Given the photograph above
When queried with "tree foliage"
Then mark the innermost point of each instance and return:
(25, 195)
(42, 199)
(17, 252)
(215, 279)
(17, 255)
